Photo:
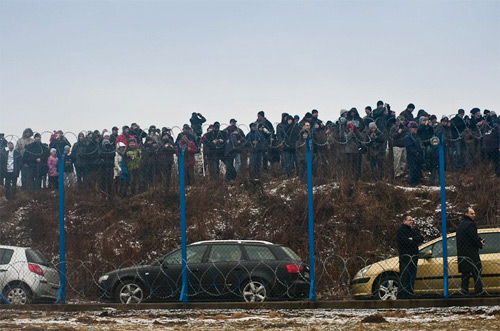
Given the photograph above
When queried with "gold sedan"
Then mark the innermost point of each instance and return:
(381, 280)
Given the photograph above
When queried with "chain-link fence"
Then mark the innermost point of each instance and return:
(126, 171)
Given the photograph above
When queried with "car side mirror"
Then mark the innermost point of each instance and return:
(428, 254)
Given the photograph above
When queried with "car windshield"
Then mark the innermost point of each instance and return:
(34, 256)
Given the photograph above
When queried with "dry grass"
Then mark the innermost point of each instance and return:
(352, 219)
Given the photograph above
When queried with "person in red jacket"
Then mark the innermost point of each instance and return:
(125, 136)
(189, 159)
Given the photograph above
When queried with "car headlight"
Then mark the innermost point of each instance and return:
(362, 272)
(103, 278)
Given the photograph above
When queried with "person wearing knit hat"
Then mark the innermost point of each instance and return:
(372, 126)
(53, 172)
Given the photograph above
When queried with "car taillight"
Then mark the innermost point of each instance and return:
(294, 268)
(36, 269)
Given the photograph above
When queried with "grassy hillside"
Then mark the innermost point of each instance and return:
(355, 223)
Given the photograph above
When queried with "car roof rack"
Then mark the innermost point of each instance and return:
(233, 241)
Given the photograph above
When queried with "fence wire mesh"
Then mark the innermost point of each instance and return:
(125, 171)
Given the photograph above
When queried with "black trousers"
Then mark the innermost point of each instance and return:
(408, 273)
(473, 271)
(10, 186)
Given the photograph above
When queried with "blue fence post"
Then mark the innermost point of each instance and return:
(183, 297)
(61, 297)
(443, 215)
(312, 289)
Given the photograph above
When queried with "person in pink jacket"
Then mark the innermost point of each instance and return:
(53, 173)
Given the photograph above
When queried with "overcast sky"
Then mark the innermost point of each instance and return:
(79, 65)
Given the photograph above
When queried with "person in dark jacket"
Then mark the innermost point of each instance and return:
(408, 113)
(233, 146)
(257, 144)
(267, 130)
(106, 166)
(397, 135)
(166, 157)
(215, 142)
(301, 150)
(35, 158)
(414, 154)
(197, 121)
(491, 141)
(380, 115)
(10, 165)
(408, 241)
(59, 142)
(288, 134)
(468, 245)
(458, 127)
(376, 143)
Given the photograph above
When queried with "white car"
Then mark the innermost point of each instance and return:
(26, 276)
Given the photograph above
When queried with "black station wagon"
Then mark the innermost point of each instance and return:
(218, 270)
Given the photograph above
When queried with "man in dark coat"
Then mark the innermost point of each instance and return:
(215, 143)
(35, 158)
(197, 121)
(458, 127)
(468, 245)
(414, 153)
(257, 144)
(408, 113)
(408, 241)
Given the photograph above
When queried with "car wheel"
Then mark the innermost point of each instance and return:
(387, 288)
(254, 291)
(129, 292)
(18, 295)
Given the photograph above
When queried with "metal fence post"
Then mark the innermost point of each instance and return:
(61, 297)
(182, 194)
(443, 216)
(312, 289)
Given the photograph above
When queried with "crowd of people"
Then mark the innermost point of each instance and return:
(124, 163)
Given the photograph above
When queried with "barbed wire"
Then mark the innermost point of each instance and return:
(212, 281)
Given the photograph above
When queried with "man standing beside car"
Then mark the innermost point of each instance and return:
(408, 241)
(468, 245)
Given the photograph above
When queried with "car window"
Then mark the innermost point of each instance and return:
(225, 253)
(6, 255)
(194, 254)
(259, 253)
(437, 248)
(491, 243)
(34, 256)
(291, 254)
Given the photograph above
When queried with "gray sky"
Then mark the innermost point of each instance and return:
(79, 65)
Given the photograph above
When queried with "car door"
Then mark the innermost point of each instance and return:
(167, 280)
(220, 277)
(429, 279)
(490, 261)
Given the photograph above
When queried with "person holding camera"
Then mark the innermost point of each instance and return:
(468, 245)
(197, 121)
